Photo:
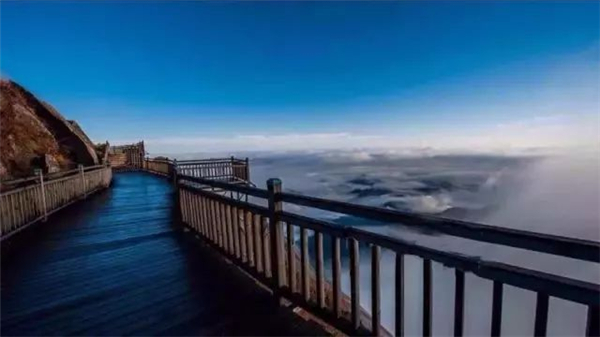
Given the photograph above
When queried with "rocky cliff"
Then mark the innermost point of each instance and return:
(34, 135)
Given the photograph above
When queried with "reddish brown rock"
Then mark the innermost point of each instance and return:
(34, 135)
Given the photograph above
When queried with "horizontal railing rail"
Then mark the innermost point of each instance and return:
(249, 190)
(545, 243)
(261, 240)
(46, 194)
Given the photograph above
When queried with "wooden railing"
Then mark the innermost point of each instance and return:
(223, 169)
(254, 237)
(159, 166)
(127, 157)
(37, 197)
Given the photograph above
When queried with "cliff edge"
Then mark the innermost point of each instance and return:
(34, 135)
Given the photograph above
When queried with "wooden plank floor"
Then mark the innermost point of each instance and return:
(116, 265)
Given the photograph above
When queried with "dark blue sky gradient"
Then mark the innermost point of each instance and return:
(256, 58)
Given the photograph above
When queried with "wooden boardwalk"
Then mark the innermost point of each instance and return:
(116, 265)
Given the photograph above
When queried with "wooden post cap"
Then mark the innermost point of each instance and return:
(273, 182)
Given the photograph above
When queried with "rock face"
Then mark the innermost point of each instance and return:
(34, 135)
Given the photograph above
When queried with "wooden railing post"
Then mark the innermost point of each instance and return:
(276, 234)
(247, 170)
(176, 192)
(83, 187)
(40, 174)
(174, 173)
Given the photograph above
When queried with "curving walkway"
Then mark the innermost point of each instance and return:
(116, 265)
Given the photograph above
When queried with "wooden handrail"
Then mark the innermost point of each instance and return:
(545, 243)
(253, 191)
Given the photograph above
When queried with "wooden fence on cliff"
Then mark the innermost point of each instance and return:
(37, 197)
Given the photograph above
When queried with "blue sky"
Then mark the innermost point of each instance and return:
(243, 75)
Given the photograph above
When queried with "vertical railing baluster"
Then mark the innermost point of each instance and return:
(196, 203)
(231, 226)
(198, 211)
(497, 309)
(305, 263)
(2, 216)
(208, 223)
(257, 243)
(275, 206)
(206, 206)
(43, 194)
(249, 242)
(459, 302)
(336, 275)
(227, 230)
(218, 228)
(375, 291)
(182, 205)
(399, 279)
(355, 283)
(189, 209)
(21, 212)
(204, 220)
(194, 211)
(233, 222)
(188, 205)
(266, 246)
(194, 223)
(236, 232)
(243, 234)
(213, 220)
(12, 211)
(291, 258)
(208, 220)
(211, 233)
(541, 315)
(593, 318)
(426, 297)
(223, 225)
(199, 214)
(83, 182)
(238, 215)
(319, 264)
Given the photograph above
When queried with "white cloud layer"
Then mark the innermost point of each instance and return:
(544, 132)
